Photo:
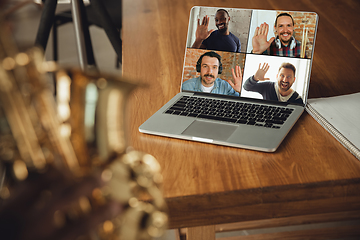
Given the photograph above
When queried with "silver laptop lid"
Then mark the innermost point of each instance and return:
(274, 50)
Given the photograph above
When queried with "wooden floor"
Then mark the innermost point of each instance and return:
(207, 185)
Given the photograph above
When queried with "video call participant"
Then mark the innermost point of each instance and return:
(280, 91)
(209, 65)
(284, 44)
(219, 40)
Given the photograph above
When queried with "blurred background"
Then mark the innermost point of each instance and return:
(24, 17)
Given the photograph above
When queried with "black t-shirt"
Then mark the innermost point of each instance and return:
(219, 42)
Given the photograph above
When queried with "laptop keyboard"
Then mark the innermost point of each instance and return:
(230, 111)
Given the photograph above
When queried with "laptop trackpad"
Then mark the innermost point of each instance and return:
(208, 130)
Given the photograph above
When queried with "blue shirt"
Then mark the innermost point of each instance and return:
(219, 42)
(220, 87)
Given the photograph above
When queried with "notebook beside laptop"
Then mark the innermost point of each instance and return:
(219, 106)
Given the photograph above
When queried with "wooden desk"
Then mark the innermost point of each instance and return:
(310, 173)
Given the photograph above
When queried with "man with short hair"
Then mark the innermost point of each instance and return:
(284, 44)
(219, 40)
(209, 65)
(280, 91)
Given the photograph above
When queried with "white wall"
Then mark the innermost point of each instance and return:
(259, 17)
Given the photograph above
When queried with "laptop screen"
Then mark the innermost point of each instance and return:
(261, 54)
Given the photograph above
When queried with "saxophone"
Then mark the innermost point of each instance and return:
(81, 130)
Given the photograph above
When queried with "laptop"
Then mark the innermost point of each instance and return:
(245, 78)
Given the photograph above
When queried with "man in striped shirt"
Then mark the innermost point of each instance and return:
(284, 44)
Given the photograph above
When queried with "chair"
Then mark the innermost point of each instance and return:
(106, 14)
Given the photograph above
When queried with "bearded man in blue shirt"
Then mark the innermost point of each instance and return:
(209, 65)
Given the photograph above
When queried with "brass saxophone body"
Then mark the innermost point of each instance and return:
(80, 130)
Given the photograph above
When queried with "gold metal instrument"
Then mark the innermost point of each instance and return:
(80, 130)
